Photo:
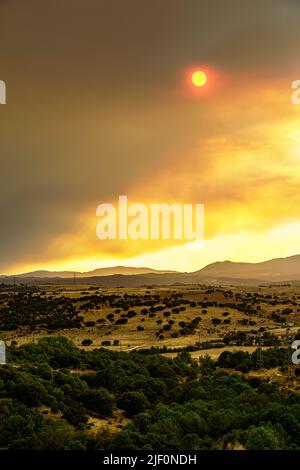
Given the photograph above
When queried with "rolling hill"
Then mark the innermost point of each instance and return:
(227, 272)
(279, 269)
(111, 271)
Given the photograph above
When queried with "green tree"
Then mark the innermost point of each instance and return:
(99, 401)
(133, 403)
(262, 438)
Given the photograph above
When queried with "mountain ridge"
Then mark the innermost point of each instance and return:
(273, 270)
(109, 271)
(281, 268)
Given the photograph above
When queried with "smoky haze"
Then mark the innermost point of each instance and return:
(95, 105)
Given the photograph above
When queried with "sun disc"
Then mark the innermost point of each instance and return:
(199, 78)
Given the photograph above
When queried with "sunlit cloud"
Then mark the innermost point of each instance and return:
(76, 134)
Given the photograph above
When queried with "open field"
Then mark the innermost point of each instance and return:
(214, 353)
(181, 367)
(210, 319)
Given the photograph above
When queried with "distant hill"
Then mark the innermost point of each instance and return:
(279, 269)
(124, 270)
(225, 272)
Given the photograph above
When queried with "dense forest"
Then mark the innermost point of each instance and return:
(50, 389)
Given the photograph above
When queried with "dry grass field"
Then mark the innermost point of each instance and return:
(173, 317)
(89, 396)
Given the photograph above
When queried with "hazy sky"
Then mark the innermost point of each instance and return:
(98, 106)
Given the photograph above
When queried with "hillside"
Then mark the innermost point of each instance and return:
(111, 271)
(279, 269)
(226, 272)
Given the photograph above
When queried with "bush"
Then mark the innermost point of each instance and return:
(74, 412)
(31, 393)
(100, 401)
(262, 438)
(133, 403)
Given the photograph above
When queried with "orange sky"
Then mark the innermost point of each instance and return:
(97, 109)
